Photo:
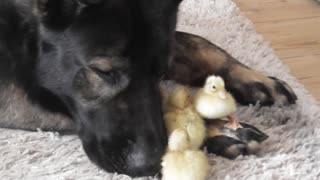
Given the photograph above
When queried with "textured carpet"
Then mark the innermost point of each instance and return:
(291, 152)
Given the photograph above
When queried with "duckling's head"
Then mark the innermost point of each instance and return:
(214, 85)
(180, 97)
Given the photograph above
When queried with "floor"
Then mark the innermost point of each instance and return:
(293, 28)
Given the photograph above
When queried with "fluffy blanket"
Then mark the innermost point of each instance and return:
(291, 152)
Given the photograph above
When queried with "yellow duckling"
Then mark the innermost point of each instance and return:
(181, 163)
(181, 114)
(177, 98)
(183, 159)
(214, 102)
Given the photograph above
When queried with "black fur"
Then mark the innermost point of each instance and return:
(98, 62)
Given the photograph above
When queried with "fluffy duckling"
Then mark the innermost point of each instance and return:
(181, 114)
(214, 102)
(181, 163)
(186, 129)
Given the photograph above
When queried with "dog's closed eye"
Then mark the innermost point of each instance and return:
(101, 80)
(109, 69)
(110, 77)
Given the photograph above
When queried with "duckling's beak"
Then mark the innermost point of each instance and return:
(223, 94)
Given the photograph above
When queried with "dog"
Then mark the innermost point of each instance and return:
(93, 67)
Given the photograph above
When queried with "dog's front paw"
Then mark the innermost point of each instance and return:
(225, 146)
(231, 143)
(249, 87)
(283, 92)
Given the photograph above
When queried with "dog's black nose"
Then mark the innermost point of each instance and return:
(149, 169)
(123, 159)
(144, 160)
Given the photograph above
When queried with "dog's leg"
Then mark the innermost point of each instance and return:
(197, 58)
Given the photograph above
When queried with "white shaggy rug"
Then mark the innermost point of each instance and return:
(291, 152)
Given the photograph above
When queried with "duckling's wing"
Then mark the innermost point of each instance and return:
(197, 134)
(171, 121)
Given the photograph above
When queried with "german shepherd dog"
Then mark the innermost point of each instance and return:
(93, 67)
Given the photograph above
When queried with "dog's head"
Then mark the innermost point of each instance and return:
(104, 60)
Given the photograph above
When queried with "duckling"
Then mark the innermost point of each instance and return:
(181, 114)
(214, 102)
(186, 130)
(181, 163)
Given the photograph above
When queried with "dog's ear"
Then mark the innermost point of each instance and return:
(56, 14)
(91, 2)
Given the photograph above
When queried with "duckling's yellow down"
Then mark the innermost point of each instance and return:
(213, 101)
(183, 159)
(182, 163)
